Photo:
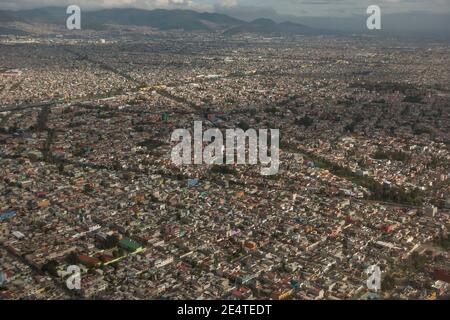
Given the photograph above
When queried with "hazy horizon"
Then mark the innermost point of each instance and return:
(411, 23)
(311, 8)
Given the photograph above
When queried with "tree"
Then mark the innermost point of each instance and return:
(111, 241)
(243, 125)
(306, 121)
(72, 258)
(88, 188)
(51, 267)
(223, 170)
(388, 282)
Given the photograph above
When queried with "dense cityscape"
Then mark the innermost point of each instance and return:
(86, 176)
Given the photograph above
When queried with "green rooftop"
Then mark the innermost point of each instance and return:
(129, 244)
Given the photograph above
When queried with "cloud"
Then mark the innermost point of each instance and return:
(228, 3)
(90, 4)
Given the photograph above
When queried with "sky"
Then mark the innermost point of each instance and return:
(283, 7)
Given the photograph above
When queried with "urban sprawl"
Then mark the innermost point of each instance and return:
(86, 176)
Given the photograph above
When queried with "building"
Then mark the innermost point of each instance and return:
(130, 245)
(431, 211)
(89, 261)
(442, 274)
(163, 262)
(11, 73)
(7, 215)
(4, 231)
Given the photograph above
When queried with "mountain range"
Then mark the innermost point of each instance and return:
(418, 25)
(159, 19)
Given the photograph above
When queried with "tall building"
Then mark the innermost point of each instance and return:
(431, 211)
